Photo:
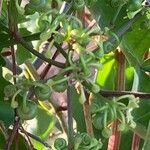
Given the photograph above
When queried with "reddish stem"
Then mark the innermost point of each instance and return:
(135, 142)
(87, 116)
(114, 141)
(47, 68)
(14, 69)
(12, 135)
(17, 140)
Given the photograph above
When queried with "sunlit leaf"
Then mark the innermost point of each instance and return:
(106, 75)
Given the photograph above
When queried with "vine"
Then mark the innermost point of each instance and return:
(74, 74)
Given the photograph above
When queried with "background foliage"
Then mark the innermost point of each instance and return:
(74, 74)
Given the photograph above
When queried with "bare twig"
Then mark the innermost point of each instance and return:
(17, 140)
(47, 68)
(12, 135)
(61, 50)
(145, 96)
(108, 93)
(19, 38)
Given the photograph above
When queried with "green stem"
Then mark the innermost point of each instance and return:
(113, 116)
(37, 84)
(147, 138)
(102, 109)
(122, 105)
(14, 104)
(122, 116)
(97, 65)
(83, 62)
(64, 71)
(68, 69)
(123, 97)
(51, 82)
(105, 118)
(70, 58)
(24, 102)
(60, 81)
(114, 111)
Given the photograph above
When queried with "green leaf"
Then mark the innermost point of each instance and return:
(142, 114)
(2, 140)
(147, 139)
(14, 12)
(3, 26)
(104, 13)
(24, 32)
(43, 124)
(126, 140)
(17, 12)
(144, 82)
(22, 54)
(3, 39)
(78, 109)
(135, 85)
(22, 144)
(6, 113)
(135, 44)
(140, 130)
(38, 145)
(129, 76)
(3, 17)
(2, 61)
(146, 65)
(106, 76)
